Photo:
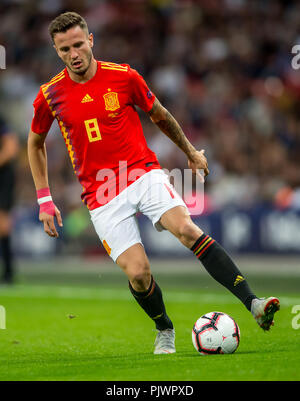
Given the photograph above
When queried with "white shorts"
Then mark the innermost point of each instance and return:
(116, 222)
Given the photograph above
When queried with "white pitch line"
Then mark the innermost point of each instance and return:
(81, 293)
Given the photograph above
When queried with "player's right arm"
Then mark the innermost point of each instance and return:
(37, 156)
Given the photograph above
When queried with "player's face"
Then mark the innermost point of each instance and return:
(74, 47)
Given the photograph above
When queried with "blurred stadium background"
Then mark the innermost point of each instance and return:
(223, 68)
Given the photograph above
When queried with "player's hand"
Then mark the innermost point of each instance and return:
(199, 163)
(49, 222)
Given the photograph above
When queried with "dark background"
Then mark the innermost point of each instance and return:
(222, 68)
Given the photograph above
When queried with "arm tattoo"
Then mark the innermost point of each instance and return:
(170, 127)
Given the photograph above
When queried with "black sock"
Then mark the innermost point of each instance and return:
(221, 267)
(7, 258)
(152, 303)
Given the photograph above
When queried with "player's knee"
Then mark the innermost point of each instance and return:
(140, 276)
(188, 233)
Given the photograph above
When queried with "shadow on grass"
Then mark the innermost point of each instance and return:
(237, 353)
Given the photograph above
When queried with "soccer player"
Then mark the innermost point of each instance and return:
(94, 104)
(8, 151)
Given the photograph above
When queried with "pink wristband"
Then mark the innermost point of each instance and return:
(41, 193)
(45, 201)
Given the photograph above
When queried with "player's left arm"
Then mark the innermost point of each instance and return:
(169, 126)
(9, 148)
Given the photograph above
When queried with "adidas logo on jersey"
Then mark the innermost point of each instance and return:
(87, 98)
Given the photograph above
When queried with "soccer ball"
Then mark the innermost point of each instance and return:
(215, 333)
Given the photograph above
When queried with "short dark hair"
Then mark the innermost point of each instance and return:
(65, 21)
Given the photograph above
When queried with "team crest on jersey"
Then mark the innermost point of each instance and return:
(111, 101)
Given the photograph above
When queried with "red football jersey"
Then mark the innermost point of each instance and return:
(100, 126)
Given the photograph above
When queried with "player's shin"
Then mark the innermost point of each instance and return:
(152, 303)
(221, 267)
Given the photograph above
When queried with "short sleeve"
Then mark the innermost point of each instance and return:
(141, 95)
(42, 118)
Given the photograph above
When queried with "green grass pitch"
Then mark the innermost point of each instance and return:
(62, 328)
